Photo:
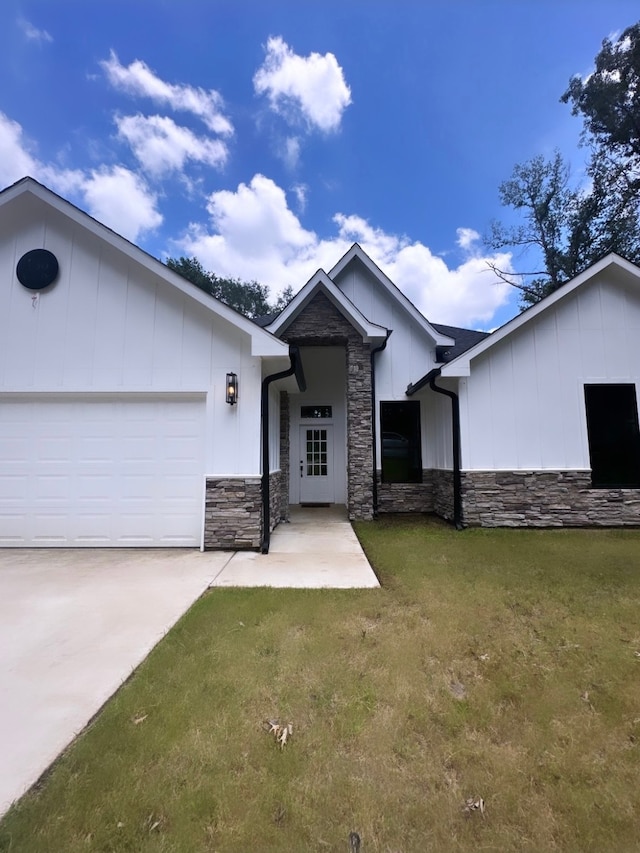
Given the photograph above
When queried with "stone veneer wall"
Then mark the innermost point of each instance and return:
(406, 497)
(545, 499)
(321, 324)
(275, 498)
(233, 513)
(443, 493)
(284, 456)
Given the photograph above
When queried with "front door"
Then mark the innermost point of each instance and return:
(316, 464)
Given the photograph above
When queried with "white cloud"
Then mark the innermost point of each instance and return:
(254, 235)
(162, 146)
(467, 238)
(312, 88)
(291, 152)
(15, 160)
(138, 79)
(120, 199)
(115, 196)
(32, 33)
(300, 192)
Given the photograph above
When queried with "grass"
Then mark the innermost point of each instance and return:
(497, 664)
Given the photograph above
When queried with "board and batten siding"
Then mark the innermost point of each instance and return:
(522, 407)
(409, 353)
(110, 325)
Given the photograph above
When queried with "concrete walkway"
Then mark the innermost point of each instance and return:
(76, 622)
(316, 549)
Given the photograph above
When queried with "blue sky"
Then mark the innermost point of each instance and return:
(266, 137)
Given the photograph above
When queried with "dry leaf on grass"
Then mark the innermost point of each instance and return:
(585, 698)
(153, 823)
(280, 733)
(473, 804)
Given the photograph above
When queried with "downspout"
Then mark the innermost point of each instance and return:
(296, 368)
(455, 423)
(373, 421)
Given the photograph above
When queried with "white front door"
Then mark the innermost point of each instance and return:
(316, 464)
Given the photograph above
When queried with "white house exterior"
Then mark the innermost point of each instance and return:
(548, 408)
(534, 425)
(115, 429)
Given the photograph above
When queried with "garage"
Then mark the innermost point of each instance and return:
(101, 470)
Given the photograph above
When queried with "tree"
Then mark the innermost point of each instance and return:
(247, 297)
(540, 190)
(571, 227)
(568, 228)
(609, 99)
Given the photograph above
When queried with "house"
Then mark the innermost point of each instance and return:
(137, 411)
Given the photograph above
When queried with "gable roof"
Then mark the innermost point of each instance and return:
(461, 366)
(262, 342)
(321, 283)
(357, 254)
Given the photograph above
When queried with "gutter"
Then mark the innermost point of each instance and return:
(373, 420)
(430, 378)
(295, 369)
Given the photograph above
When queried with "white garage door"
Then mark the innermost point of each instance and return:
(101, 471)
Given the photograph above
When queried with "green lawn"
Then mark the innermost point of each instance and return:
(501, 665)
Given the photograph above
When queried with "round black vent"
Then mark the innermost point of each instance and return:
(37, 269)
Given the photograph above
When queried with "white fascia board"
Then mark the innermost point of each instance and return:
(461, 366)
(268, 346)
(321, 283)
(262, 342)
(356, 251)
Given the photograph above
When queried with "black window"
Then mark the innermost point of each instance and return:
(316, 412)
(614, 438)
(400, 442)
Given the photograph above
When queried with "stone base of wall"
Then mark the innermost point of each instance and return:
(233, 513)
(277, 510)
(443, 493)
(545, 499)
(406, 497)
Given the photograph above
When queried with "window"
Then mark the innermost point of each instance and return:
(316, 412)
(400, 432)
(317, 453)
(614, 438)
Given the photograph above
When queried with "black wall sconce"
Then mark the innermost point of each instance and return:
(232, 389)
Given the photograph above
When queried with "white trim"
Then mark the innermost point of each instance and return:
(321, 283)
(461, 366)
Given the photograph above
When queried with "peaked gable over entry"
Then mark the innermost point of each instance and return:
(362, 333)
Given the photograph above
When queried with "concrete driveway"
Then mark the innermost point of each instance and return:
(73, 625)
